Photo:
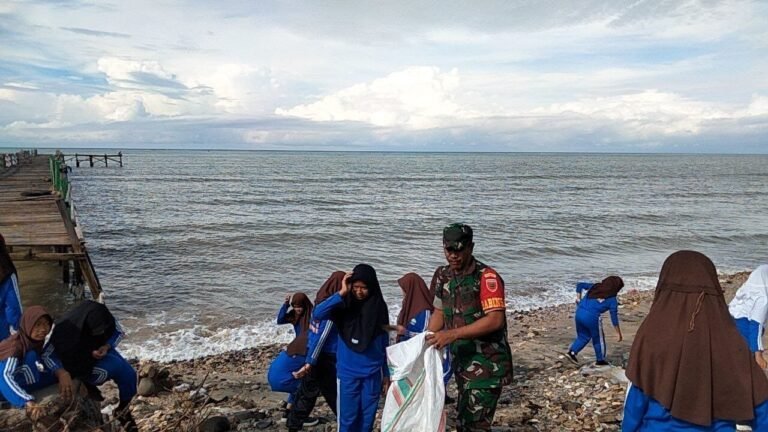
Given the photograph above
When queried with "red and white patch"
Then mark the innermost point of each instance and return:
(491, 284)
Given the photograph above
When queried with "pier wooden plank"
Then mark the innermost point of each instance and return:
(35, 220)
(30, 220)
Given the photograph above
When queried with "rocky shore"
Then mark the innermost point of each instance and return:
(230, 392)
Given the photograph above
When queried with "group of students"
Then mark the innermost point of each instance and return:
(341, 342)
(695, 365)
(77, 351)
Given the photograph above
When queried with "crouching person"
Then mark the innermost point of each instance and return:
(84, 341)
(19, 355)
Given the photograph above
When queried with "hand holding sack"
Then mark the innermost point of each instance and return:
(416, 396)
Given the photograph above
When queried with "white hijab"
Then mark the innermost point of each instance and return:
(751, 300)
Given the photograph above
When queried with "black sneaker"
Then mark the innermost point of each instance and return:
(601, 363)
(284, 418)
(570, 355)
(311, 421)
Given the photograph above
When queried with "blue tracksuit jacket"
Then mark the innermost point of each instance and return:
(359, 375)
(642, 413)
(10, 306)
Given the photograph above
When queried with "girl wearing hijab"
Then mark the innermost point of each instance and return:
(600, 298)
(84, 341)
(415, 313)
(10, 301)
(318, 375)
(19, 356)
(750, 310)
(417, 307)
(360, 313)
(291, 359)
(689, 369)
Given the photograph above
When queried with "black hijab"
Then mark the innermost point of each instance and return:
(6, 264)
(79, 332)
(359, 322)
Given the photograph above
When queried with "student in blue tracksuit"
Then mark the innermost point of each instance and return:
(749, 308)
(415, 313)
(601, 297)
(84, 341)
(10, 301)
(280, 374)
(689, 369)
(318, 375)
(360, 313)
(19, 356)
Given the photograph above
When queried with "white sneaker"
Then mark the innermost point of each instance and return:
(741, 427)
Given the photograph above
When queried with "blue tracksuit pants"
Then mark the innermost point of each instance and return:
(589, 326)
(280, 375)
(114, 367)
(358, 400)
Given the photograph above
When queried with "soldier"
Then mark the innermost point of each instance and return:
(470, 316)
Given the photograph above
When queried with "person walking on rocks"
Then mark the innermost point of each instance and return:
(600, 298)
(749, 308)
(689, 369)
(360, 313)
(318, 375)
(470, 316)
(10, 301)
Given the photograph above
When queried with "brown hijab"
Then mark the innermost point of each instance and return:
(417, 297)
(21, 343)
(6, 264)
(299, 344)
(330, 287)
(608, 288)
(688, 354)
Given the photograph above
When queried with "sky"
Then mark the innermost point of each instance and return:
(686, 76)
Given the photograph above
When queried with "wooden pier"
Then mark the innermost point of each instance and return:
(98, 158)
(38, 218)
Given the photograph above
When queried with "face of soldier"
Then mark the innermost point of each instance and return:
(458, 259)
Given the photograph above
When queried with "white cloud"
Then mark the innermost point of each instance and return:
(416, 97)
(646, 114)
(119, 70)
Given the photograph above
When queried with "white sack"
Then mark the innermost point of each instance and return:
(416, 396)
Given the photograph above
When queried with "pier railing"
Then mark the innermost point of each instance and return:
(58, 179)
(93, 159)
(9, 160)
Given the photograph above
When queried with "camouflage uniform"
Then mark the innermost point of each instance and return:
(483, 365)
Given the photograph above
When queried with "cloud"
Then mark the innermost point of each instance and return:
(553, 75)
(97, 33)
(417, 97)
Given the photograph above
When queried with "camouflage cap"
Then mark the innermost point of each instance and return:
(457, 236)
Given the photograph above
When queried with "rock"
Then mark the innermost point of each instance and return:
(263, 424)
(215, 424)
(147, 387)
(247, 415)
(181, 388)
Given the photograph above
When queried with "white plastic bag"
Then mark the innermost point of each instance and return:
(416, 396)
